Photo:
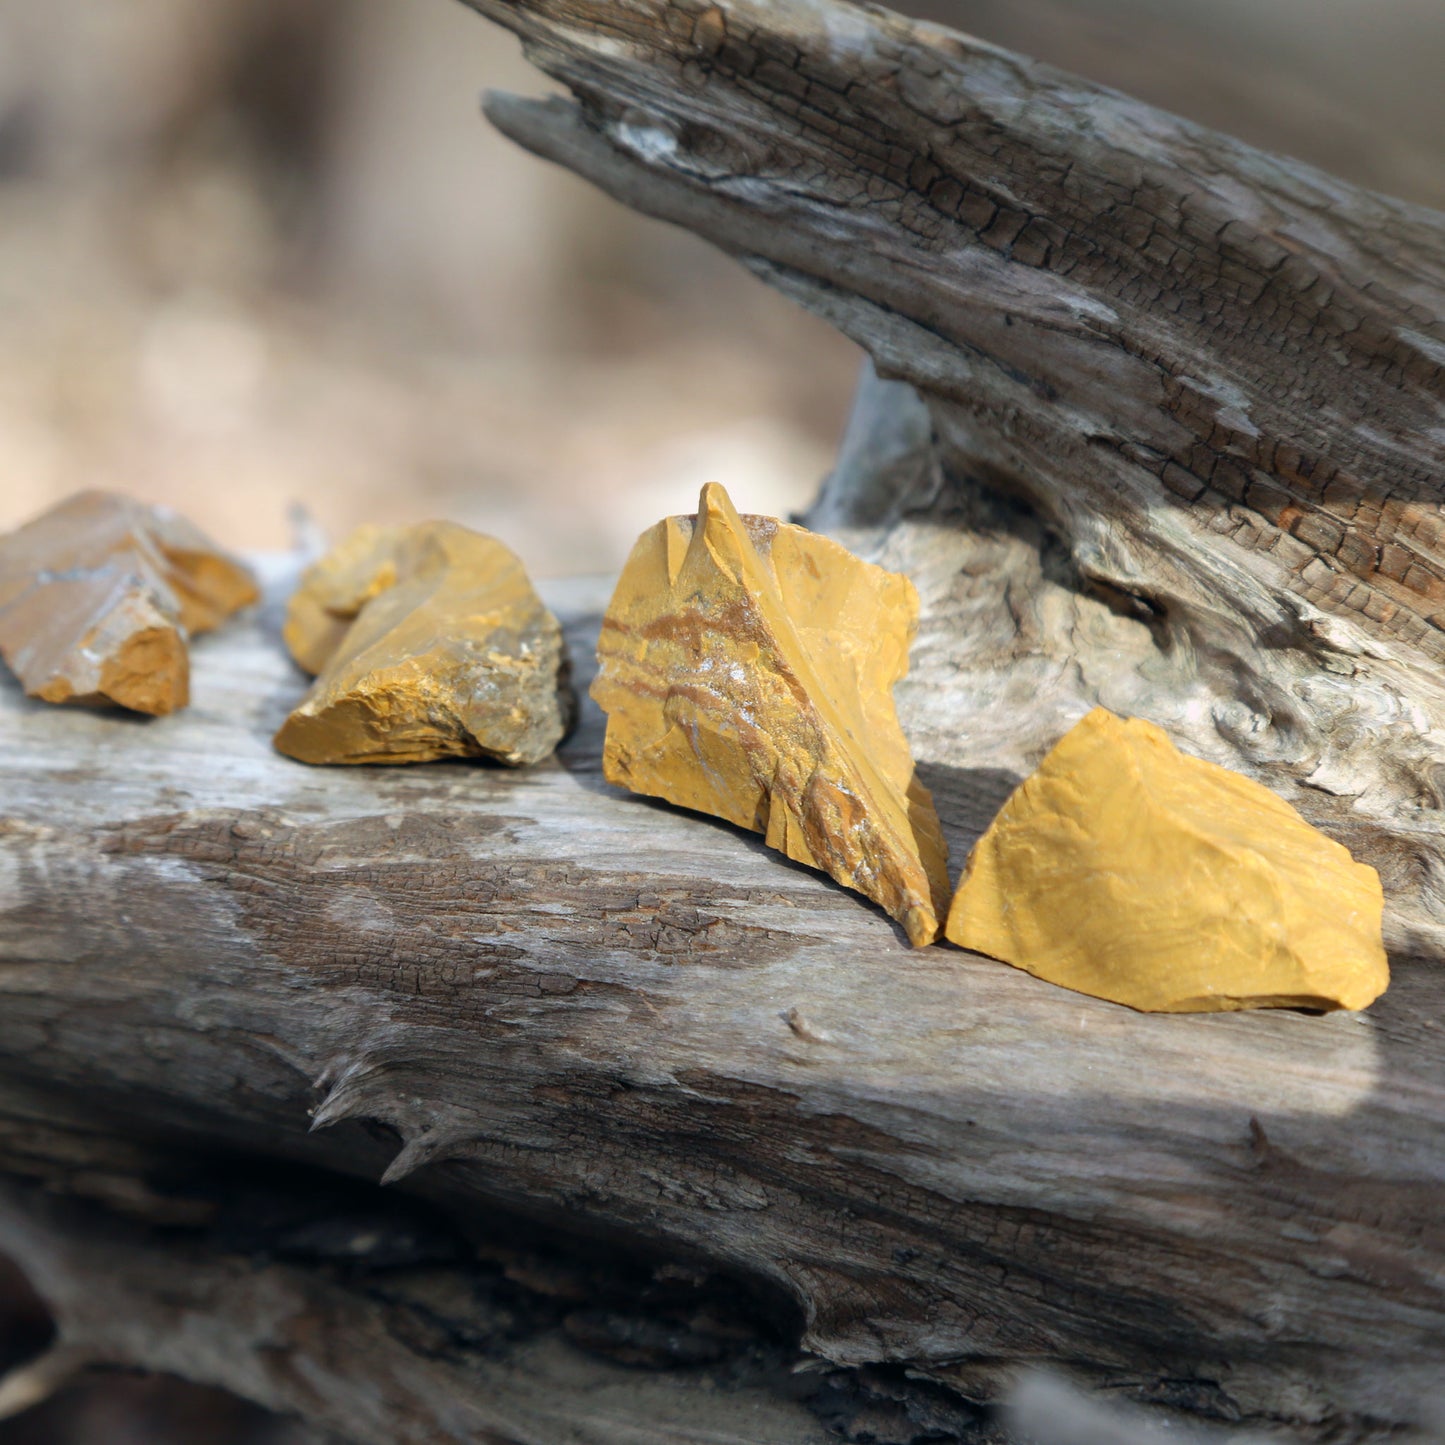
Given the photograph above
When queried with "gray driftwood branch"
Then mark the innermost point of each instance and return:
(1164, 431)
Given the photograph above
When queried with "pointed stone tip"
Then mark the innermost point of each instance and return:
(922, 926)
(713, 499)
(718, 532)
(714, 505)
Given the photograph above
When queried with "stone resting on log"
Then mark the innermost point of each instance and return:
(685, 1144)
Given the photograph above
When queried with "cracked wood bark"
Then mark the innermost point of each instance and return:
(527, 992)
(1210, 381)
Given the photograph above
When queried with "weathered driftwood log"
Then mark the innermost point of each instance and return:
(1209, 382)
(525, 995)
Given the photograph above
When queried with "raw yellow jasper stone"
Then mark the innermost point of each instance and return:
(430, 643)
(100, 596)
(747, 670)
(1126, 870)
(335, 589)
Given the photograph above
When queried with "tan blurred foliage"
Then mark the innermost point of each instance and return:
(262, 251)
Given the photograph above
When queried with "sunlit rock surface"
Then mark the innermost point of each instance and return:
(430, 642)
(99, 596)
(1126, 870)
(747, 670)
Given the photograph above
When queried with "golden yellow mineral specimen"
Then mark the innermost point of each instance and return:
(430, 643)
(747, 670)
(1126, 870)
(99, 596)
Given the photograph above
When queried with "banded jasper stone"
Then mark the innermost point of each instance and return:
(1126, 870)
(747, 670)
(100, 596)
(430, 642)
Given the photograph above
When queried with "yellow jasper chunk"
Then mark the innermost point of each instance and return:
(335, 589)
(747, 670)
(100, 596)
(1126, 870)
(430, 643)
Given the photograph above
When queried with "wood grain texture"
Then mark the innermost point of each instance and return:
(639, 1023)
(1211, 380)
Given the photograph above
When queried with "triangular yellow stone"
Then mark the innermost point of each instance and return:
(747, 670)
(1126, 870)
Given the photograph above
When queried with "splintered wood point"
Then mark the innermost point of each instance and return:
(747, 670)
(430, 642)
(99, 596)
(1124, 869)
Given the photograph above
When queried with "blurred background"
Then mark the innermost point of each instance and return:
(257, 252)
(262, 251)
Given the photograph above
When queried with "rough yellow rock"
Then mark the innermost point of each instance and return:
(100, 595)
(334, 591)
(430, 642)
(747, 670)
(1126, 870)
